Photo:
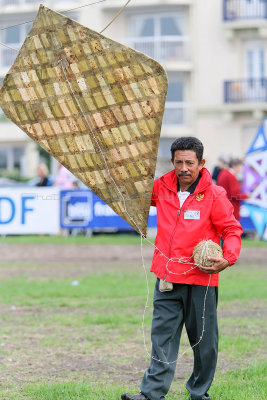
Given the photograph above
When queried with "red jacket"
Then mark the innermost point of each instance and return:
(177, 235)
(229, 182)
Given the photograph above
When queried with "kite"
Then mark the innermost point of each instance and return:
(95, 105)
(255, 181)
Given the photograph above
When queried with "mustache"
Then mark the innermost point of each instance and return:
(184, 174)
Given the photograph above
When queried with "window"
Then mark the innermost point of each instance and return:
(18, 153)
(15, 34)
(3, 159)
(165, 147)
(175, 91)
(158, 25)
(12, 35)
(11, 157)
(175, 106)
(171, 26)
(254, 59)
(160, 36)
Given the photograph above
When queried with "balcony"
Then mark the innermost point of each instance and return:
(244, 9)
(171, 50)
(241, 15)
(246, 96)
(117, 4)
(12, 5)
(245, 91)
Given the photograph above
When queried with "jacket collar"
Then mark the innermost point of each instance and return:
(191, 188)
(170, 181)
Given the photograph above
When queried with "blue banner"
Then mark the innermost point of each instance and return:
(83, 209)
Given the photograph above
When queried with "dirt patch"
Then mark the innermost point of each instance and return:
(58, 260)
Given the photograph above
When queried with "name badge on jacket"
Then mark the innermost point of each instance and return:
(192, 214)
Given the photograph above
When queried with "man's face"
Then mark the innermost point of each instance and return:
(187, 167)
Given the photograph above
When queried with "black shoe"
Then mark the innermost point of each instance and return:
(127, 396)
(205, 397)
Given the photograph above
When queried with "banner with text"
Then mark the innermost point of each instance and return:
(29, 211)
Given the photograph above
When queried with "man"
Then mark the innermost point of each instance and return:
(200, 211)
(228, 180)
(221, 165)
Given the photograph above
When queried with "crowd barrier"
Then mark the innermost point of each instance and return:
(48, 210)
(27, 210)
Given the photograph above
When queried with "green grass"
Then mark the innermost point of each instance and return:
(105, 289)
(67, 391)
(241, 384)
(235, 283)
(99, 322)
(111, 238)
(253, 243)
(239, 346)
(242, 283)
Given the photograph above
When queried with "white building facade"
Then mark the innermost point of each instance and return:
(214, 52)
(17, 150)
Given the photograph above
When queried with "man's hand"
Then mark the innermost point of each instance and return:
(219, 264)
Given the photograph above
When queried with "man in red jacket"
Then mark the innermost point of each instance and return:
(227, 178)
(190, 208)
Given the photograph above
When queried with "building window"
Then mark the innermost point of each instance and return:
(3, 159)
(176, 107)
(254, 51)
(14, 37)
(158, 25)
(160, 36)
(11, 157)
(18, 153)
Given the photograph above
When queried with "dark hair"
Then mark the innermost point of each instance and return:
(235, 161)
(188, 143)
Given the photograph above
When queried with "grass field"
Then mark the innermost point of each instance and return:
(78, 335)
(96, 239)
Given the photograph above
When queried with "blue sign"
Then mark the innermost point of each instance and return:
(83, 209)
(76, 208)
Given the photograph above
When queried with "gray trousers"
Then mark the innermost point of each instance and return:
(182, 306)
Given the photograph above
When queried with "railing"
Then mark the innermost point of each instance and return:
(245, 91)
(162, 48)
(244, 9)
(176, 113)
(6, 3)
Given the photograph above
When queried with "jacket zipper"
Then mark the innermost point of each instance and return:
(178, 217)
(173, 232)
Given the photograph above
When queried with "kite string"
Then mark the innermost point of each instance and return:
(9, 47)
(72, 9)
(146, 306)
(116, 16)
(175, 260)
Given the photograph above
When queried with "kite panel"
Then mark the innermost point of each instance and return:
(93, 104)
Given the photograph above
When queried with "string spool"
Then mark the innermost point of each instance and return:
(205, 249)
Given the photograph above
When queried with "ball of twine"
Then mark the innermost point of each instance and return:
(205, 249)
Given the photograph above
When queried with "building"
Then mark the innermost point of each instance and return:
(215, 54)
(17, 150)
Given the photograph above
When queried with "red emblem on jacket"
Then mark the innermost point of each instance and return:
(200, 196)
